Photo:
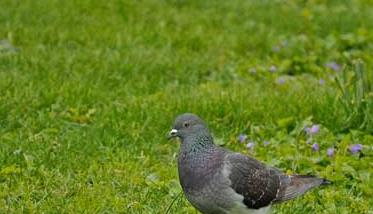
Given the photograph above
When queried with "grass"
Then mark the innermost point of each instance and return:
(89, 89)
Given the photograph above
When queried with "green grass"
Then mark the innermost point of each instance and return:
(89, 89)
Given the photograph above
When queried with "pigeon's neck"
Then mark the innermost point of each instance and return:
(197, 144)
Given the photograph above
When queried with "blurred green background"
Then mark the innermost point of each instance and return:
(89, 89)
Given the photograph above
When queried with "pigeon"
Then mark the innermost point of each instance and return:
(218, 181)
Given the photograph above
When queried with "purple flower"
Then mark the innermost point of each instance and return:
(333, 65)
(330, 151)
(272, 69)
(314, 129)
(315, 147)
(321, 81)
(355, 148)
(281, 80)
(250, 145)
(242, 138)
(266, 143)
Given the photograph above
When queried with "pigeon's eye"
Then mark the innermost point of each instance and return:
(186, 124)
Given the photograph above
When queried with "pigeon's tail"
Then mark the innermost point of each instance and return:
(298, 185)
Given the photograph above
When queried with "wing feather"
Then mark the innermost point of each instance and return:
(261, 185)
(257, 183)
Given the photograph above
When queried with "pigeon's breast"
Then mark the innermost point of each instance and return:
(204, 184)
(217, 197)
(195, 171)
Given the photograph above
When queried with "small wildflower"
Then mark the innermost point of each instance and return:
(273, 69)
(314, 129)
(281, 80)
(315, 147)
(250, 145)
(321, 81)
(266, 143)
(330, 151)
(333, 65)
(242, 138)
(355, 148)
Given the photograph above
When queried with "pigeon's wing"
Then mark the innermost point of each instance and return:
(258, 184)
(261, 185)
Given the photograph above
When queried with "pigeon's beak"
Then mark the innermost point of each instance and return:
(172, 134)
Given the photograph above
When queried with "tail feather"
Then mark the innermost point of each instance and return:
(298, 185)
(326, 182)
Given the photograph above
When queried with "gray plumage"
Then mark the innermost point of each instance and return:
(218, 181)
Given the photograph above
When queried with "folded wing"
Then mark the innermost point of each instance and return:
(261, 185)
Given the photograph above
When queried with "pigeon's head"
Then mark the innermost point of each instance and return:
(187, 124)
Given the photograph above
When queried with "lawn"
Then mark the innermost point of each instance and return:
(89, 90)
